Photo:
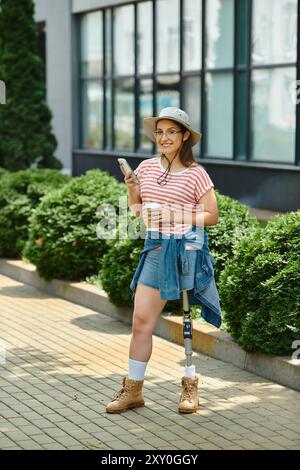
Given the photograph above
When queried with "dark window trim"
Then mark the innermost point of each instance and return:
(210, 160)
(181, 45)
(297, 146)
(136, 82)
(112, 28)
(235, 87)
(104, 139)
(154, 84)
(202, 85)
(249, 85)
(80, 107)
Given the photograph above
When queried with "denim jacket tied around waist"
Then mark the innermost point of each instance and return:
(173, 260)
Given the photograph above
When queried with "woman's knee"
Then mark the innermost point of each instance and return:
(141, 325)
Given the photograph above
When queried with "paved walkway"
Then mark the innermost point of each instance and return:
(64, 362)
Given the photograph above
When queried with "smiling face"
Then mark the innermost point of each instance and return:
(169, 136)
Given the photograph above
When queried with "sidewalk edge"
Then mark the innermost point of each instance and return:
(206, 338)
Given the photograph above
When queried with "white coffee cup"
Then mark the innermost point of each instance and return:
(150, 224)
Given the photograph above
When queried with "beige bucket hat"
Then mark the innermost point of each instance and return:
(174, 114)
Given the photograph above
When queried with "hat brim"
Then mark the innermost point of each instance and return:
(150, 127)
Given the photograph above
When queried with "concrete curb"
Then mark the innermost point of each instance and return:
(206, 339)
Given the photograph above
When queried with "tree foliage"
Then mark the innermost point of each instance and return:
(26, 136)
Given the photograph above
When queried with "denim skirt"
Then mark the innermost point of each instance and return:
(150, 272)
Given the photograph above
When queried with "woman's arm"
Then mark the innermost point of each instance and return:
(210, 214)
(134, 198)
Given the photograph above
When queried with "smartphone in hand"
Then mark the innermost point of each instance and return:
(128, 169)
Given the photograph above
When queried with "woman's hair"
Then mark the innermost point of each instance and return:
(187, 156)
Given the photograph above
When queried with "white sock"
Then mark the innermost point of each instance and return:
(136, 369)
(190, 372)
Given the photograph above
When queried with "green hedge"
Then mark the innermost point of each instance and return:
(260, 287)
(63, 242)
(121, 260)
(235, 221)
(117, 268)
(3, 172)
(20, 193)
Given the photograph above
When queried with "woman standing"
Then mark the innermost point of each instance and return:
(177, 258)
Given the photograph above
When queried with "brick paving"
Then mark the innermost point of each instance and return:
(64, 362)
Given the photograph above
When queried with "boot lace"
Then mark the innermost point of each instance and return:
(187, 393)
(121, 394)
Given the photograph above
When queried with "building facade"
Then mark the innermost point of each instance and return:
(233, 65)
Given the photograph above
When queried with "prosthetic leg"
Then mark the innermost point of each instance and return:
(187, 329)
(189, 397)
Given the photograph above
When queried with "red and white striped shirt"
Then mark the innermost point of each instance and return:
(182, 191)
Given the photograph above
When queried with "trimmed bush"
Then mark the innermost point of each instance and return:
(260, 287)
(3, 172)
(117, 268)
(34, 182)
(234, 223)
(20, 193)
(63, 242)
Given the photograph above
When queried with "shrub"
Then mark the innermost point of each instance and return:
(234, 222)
(3, 172)
(260, 287)
(20, 193)
(63, 243)
(117, 268)
(34, 182)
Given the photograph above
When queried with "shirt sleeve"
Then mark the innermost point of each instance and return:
(141, 169)
(203, 183)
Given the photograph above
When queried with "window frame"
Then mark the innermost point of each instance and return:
(236, 69)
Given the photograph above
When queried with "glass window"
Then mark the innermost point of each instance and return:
(124, 114)
(273, 115)
(241, 116)
(145, 38)
(192, 39)
(124, 40)
(92, 109)
(167, 92)
(219, 33)
(146, 110)
(167, 35)
(108, 113)
(108, 45)
(274, 35)
(219, 103)
(91, 45)
(191, 104)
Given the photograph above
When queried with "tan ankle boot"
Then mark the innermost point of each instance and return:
(130, 396)
(189, 400)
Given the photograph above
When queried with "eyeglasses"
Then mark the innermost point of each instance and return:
(171, 133)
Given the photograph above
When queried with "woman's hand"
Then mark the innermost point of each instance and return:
(166, 215)
(134, 194)
(160, 216)
(129, 180)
